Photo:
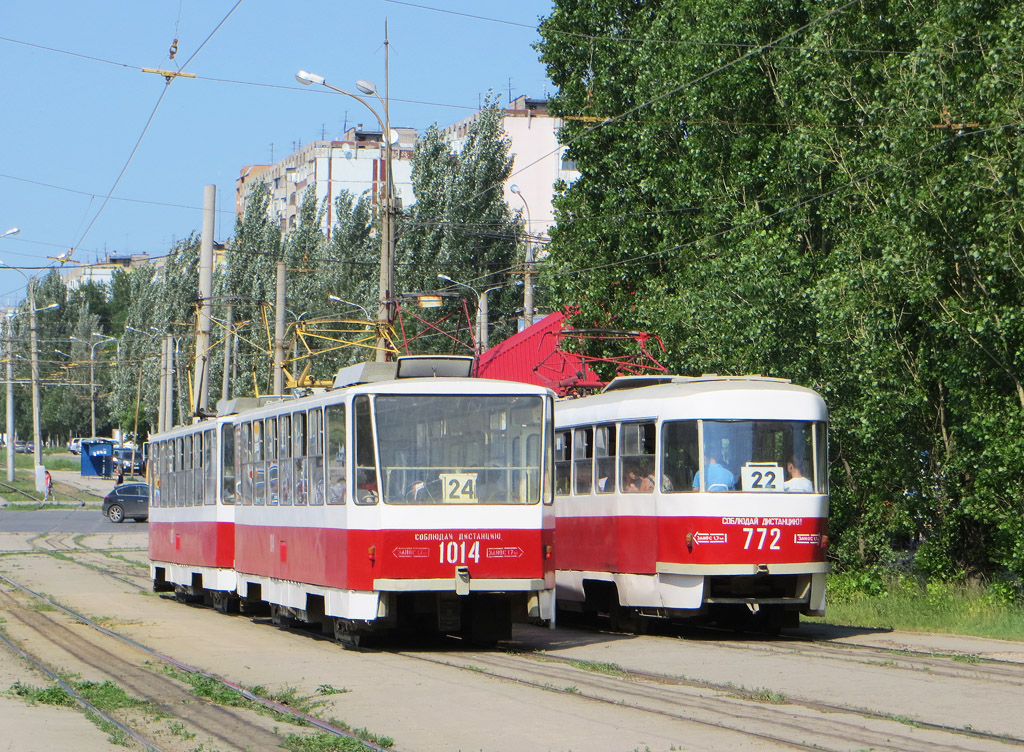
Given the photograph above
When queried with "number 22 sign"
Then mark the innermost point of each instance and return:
(762, 476)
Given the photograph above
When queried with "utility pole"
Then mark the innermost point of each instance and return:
(201, 383)
(10, 399)
(279, 327)
(225, 390)
(385, 312)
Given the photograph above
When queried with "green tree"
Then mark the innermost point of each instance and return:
(828, 196)
(460, 225)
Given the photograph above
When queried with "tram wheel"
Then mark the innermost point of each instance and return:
(350, 636)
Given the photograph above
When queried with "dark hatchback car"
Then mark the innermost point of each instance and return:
(130, 460)
(127, 500)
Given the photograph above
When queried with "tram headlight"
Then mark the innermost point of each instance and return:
(689, 541)
(372, 553)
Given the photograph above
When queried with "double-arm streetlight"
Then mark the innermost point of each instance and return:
(387, 217)
(32, 310)
(92, 373)
(481, 311)
(528, 263)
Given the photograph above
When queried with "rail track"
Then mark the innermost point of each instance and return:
(738, 717)
(138, 669)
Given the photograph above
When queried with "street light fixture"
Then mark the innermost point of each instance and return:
(12, 231)
(482, 325)
(34, 344)
(92, 374)
(336, 299)
(528, 262)
(387, 235)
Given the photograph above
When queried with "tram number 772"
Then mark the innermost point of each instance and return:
(763, 535)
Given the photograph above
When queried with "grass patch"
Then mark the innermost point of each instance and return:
(51, 695)
(907, 604)
(608, 669)
(323, 742)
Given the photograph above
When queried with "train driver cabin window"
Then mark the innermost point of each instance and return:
(679, 456)
(337, 484)
(768, 456)
(636, 466)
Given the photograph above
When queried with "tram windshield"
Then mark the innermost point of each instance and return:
(746, 456)
(439, 449)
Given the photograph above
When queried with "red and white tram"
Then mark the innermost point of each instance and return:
(392, 502)
(682, 496)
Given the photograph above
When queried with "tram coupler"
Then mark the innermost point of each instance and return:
(462, 578)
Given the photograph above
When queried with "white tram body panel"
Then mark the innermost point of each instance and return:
(639, 527)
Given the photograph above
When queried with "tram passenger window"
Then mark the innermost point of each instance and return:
(300, 480)
(583, 459)
(604, 452)
(155, 474)
(563, 462)
(636, 464)
(315, 452)
(365, 452)
(336, 482)
(679, 456)
(273, 476)
(245, 456)
(211, 469)
(258, 466)
(228, 458)
(285, 485)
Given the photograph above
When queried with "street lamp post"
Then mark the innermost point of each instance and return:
(34, 344)
(387, 218)
(92, 375)
(481, 312)
(528, 263)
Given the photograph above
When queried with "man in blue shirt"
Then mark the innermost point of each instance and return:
(720, 478)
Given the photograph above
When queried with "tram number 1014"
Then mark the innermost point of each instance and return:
(454, 552)
(762, 535)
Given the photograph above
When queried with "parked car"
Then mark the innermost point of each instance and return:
(127, 500)
(131, 460)
(24, 447)
(75, 445)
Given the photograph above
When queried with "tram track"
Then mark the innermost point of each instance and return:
(103, 652)
(748, 716)
(752, 714)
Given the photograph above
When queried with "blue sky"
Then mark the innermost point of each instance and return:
(75, 103)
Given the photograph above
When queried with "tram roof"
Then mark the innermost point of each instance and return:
(710, 396)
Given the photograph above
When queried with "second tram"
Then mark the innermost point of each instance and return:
(683, 496)
(400, 500)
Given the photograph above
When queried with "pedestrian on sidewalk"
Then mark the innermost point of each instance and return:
(48, 482)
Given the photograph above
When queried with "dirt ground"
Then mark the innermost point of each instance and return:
(427, 706)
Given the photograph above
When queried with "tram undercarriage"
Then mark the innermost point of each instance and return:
(480, 618)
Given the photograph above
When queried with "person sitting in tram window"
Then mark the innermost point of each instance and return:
(720, 478)
(797, 483)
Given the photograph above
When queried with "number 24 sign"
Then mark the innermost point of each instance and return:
(458, 487)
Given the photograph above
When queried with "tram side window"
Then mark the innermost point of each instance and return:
(336, 483)
(211, 467)
(315, 450)
(270, 448)
(227, 463)
(299, 469)
(563, 462)
(679, 456)
(245, 465)
(182, 492)
(285, 487)
(636, 468)
(365, 452)
(583, 459)
(154, 474)
(258, 474)
(604, 451)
